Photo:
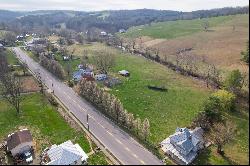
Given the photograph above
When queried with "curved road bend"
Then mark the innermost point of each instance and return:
(119, 143)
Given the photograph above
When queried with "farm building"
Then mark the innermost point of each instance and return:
(124, 73)
(19, 142)
(1, 47)
(183, 146)
(66, 153)
(78, 75)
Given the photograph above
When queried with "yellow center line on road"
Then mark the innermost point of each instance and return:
(109, 133)
(118, 141)
(135, 155)
(127, 149)
(142, 162)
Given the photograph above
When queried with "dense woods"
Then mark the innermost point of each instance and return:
(110, 21)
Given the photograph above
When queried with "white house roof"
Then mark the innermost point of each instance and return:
(184, 139)
(66, 154)
(168, 147)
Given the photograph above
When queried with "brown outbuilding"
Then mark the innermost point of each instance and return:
(19, 142)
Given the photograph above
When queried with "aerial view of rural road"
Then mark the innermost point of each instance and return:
(119, 143)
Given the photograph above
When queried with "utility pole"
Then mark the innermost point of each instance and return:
(53, 88)
(88, 121)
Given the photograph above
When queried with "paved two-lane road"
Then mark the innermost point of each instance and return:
(118, 142)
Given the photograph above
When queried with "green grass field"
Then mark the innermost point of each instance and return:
(38, 115)
(165, 110)
(173, 29)
(11, 58)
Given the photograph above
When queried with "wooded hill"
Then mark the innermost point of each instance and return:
(110, 21)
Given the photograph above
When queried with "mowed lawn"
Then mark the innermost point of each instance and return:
(46, 124)
(173, 29)
(42, 118)
(165, 110)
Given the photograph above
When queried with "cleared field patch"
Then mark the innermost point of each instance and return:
(79, 49)
(53, 38)
(29, 84)
(173, 29)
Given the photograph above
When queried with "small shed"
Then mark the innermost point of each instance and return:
(19, 142)
(103, 33)
(1, 46)
(124, 73)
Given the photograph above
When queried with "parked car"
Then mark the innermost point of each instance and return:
(27, 156)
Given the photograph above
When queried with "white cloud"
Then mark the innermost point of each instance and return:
(90, 5)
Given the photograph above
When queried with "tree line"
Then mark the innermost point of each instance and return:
(112, 107)
(53, 66)
(10, 85)
(183, 60)
(218, 128)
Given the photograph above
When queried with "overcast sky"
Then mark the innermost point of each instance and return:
(95, 5)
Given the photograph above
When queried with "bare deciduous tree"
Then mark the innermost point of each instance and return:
(206, 25)
(9, 37)
(145, 128)
(104, 60)
(10, 86)
(221, 134)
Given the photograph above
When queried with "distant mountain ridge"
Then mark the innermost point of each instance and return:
(108, 20)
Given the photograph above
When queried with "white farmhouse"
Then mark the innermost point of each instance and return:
(103, 33)
(183, 145)
(19, 142)
(65, 154)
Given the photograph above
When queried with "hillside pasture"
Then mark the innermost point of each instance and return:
(221, 47)
(174, 29)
